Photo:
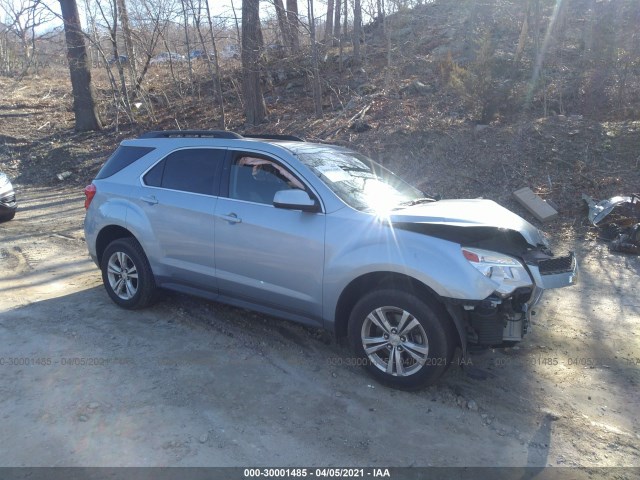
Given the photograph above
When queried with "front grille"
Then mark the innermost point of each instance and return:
(557, 265)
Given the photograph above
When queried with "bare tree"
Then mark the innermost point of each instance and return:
(380, 9)
(255, 109)
(292, 17)
(336, 21)
(155, 19)
(98, 55)
(84, 103)
(129, 46)
(235, 17)
(22, 18)
(344, 29)
(357, 31)
(185, 15)
(524, 31)
(317, 86)
(216, 66)
(328, 29)
(283, 24)
(111, 21)
(7, 52)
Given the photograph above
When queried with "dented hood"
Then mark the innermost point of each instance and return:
(476, 213)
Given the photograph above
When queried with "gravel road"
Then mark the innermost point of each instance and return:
(195, 383)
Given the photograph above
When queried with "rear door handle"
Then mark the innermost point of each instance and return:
(231, 218)
(150, 199)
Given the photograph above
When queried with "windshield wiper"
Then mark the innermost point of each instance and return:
(416, 201)
(355, 169)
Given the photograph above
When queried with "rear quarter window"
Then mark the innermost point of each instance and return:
(121, 158)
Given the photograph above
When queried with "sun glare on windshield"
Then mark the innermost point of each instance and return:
(357, 180)
(381, 197)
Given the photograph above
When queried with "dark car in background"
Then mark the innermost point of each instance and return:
(123, 59)
(8, 203)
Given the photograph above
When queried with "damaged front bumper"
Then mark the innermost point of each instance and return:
(555, 272)
(501, 320)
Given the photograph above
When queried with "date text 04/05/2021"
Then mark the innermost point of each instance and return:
(316, 472)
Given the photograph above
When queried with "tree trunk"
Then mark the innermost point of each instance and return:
(344, 30)
(283, 24)
(336, 22)
(292, 16)
(185, 15)
(386, 27)
(255, 109)
(328, 29)
(357, 31)
(113, 36)
(524, 31)
(317, 86)
(216, 66)
(84, 103)
(129, 46)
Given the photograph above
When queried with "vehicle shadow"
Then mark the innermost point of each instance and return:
(109, 387)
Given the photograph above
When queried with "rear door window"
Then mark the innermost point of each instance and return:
(195, 170)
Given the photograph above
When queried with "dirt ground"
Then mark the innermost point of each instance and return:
(195, 383)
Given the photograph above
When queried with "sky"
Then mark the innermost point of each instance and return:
(218, 8)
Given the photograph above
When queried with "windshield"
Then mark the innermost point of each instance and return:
(359, 181)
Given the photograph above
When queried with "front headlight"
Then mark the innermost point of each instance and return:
(507, 272)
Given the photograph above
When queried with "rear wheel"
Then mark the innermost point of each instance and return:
(402, 340)
(126, 274)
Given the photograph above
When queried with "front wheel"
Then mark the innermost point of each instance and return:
(127, 275)
(7, 216)
(403, 341)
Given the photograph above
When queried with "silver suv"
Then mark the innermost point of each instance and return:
(320, 235)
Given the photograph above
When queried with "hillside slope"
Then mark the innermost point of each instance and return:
(466, 103)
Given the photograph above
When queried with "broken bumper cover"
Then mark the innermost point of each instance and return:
(555, 272)
(501, 320)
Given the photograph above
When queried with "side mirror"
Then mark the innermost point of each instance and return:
(295, 200)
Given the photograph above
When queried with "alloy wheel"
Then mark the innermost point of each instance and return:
(394, 341)
(123, 275)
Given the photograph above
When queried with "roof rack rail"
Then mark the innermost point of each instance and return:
(268, 136)
(190, 133)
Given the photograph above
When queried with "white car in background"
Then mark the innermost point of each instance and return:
(166, 57)
(230, 51)
(8, 203)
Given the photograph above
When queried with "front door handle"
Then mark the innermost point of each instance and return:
(231, 218)
(150, 199)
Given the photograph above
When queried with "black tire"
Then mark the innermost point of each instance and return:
(431, 338)
(7, 216)
(131, 293)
